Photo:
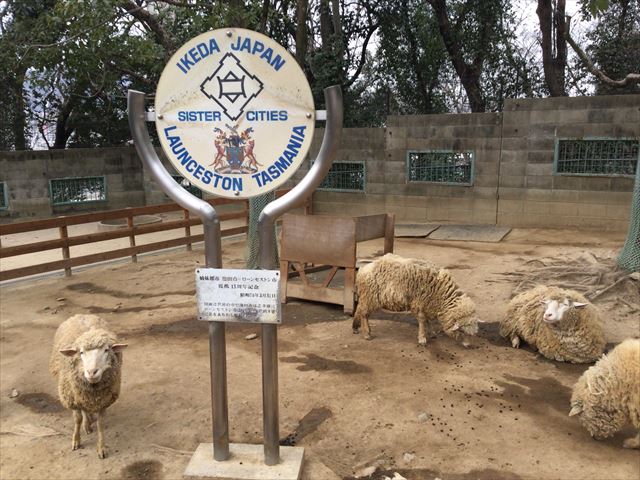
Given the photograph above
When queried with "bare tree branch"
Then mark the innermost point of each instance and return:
(113, 66)
(363, 57)
(176, 3)
(147, 19)
(630, 79)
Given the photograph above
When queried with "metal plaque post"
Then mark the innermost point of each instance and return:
(213, 259)
(267, 261)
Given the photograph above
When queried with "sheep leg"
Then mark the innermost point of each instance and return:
(77, 421)
(361, 318)
(102, 452)
(515, 341)
(633, 442)
(87, 420)
(422, 329)
(355, 325)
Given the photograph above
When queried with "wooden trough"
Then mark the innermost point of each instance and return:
(322, 242)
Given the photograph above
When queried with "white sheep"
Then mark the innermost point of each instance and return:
(607, 395)
(402, 284)
(87, 361)
(561, 324)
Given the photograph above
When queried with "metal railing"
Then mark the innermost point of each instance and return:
(596, 156)
(441, 166)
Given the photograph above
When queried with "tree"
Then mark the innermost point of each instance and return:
(612, 57)
(551, 14)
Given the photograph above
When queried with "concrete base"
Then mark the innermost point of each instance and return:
(246, 463)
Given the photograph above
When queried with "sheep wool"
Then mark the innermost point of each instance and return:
(399, 284)
(607, 395)
(577, 338)
(84, 333)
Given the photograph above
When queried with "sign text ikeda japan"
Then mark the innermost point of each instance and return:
(230, 295)
(234, 113)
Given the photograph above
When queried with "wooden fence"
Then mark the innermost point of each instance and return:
(130, 231)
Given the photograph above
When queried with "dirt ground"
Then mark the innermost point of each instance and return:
(489, 412)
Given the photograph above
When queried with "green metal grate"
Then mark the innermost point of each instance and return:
(441, 166)
(65, 191)
(4, 196)
(596, 156)
(345, 176)
(188, 186)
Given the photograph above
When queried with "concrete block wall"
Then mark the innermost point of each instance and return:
(513, 185)
(27, 173)
(530, 194)
(434, 202)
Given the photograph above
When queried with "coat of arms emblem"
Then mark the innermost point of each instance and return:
(234, 151)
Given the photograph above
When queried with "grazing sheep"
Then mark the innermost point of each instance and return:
(87, 361)
(568, 329)
(399, 284)
(607, 395)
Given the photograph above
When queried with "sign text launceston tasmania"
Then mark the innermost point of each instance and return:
(234, 113)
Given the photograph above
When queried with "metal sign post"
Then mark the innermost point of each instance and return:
(266, 260)
(213, 259)
(228, 76)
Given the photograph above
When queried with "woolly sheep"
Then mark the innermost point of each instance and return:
(560, 323)
(607, 395)
(87, 361)
(399, 284)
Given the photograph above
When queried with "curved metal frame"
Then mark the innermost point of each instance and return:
(213, 258)
(267, 261)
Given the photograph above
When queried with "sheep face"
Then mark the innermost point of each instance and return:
(556, 309)
(464, 328)
(92, 359)
(599, 418)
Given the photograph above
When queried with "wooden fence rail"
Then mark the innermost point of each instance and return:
(130, 231)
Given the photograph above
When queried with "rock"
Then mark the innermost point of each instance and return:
(14, 393)
(61, 299)
(408, 457)
(47, 308)
(251, 336)
(423, 417)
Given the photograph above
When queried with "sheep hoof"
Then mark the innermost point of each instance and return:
(75, 444)
(102, 453)
(87, 428)
(356, 331)
(515, 341)
(368, 336)
(422, 341)
(632, 443)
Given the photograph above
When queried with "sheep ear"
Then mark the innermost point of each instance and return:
(456, 326)
(118, 347)
(575, 410)
(68, 352)
(480, 321)
(545, 302)
(579, 304)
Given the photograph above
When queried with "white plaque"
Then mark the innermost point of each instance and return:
(230, 295)
(234, 113)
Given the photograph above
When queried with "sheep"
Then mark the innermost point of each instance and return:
(87, 362)
(568, 330)
(399, 284)
(607, 395)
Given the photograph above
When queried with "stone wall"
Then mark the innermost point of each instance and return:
(514, 183)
